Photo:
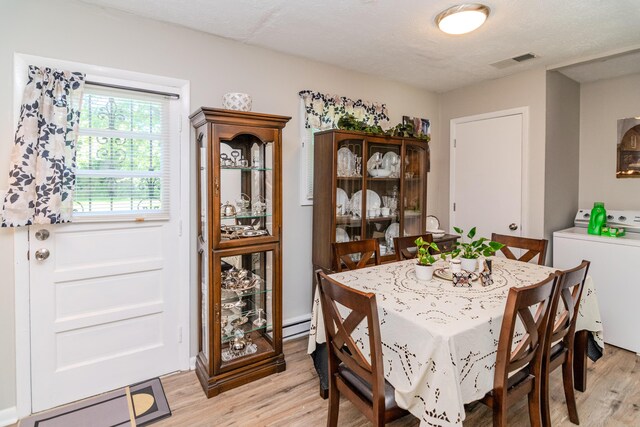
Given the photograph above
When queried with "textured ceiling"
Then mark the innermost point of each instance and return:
(398, 40)
(604, 68)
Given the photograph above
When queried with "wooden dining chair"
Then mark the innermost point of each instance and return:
(368, 249)
(403, 245)
(532, 246)
(351, 374)
(559, 345)
(518, 371)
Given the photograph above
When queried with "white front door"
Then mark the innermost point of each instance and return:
(103, 308)
(486, 174)
(105, 289)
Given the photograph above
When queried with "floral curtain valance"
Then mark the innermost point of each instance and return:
(42, 170)
(323, 111)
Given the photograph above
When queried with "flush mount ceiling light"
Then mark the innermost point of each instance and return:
(462, 19)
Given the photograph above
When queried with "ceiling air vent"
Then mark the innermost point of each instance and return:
(525, 57)
(513, 61)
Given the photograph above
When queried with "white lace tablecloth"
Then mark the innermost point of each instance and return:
(439, 342)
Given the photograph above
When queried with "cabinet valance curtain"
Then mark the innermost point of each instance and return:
(322, 111)
(43, 161)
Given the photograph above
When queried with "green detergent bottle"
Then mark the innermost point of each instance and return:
(598, 219)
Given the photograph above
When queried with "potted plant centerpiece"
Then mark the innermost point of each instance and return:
(470, 251)
(424, 267)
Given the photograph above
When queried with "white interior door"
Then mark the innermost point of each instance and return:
(486, 174)
(103, 307)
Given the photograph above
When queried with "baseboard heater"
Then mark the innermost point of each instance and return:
(296, 328)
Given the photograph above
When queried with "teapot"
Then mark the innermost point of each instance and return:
(243, 202)
(259, 206)
(228, 209)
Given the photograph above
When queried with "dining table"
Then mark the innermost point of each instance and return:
(439, 341)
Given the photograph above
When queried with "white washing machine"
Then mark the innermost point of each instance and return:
(615, 269)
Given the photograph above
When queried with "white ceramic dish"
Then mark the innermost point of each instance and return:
(380, 173)
(436, 233)
(392, 231)
(432, 223)
(341, 235)
(445, 273)
(342, 199)
(373, 200)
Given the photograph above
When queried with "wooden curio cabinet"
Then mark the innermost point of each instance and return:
(367, 186)
(239, 236)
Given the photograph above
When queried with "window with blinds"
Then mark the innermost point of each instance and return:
(123, 168)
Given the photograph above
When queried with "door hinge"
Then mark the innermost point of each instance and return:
(28, 256)
(180, 335)
(454, 207)
(455, 143)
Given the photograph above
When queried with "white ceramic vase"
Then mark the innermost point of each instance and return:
(236, 101)
(469, 264)
(424, 272)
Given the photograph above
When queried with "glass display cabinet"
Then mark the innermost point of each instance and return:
(378, 190)
(239, 259)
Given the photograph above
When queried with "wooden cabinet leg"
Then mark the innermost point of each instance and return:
(580, 360)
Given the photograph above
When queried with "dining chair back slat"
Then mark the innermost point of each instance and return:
(367, 249)
(560, 340)
(518, 371)
(533, 247)
(402, 245)
(346, 358)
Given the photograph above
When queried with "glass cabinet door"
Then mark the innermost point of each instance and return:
(203, 238)
(246, 306)
(349, 201)
(246, 188)
(414, 195)
(383, 169)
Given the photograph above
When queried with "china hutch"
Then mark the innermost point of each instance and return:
(367, 186)
(239, 231)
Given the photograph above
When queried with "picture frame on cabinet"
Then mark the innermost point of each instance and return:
(420, 126)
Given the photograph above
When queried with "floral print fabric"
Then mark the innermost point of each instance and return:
(42, 170)
(323, 111)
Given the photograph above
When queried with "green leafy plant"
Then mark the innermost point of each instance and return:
(349, 122)
(423, 254)
(474, 248)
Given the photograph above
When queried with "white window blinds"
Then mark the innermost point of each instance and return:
(123, 168)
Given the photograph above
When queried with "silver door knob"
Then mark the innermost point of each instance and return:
(513, 226)
(42, 234)
(42, 254)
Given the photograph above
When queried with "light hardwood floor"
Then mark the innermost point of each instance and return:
(291, 398)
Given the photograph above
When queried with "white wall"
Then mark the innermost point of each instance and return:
(75, 31)
(519, 90)
(602, 103)
(562, 152)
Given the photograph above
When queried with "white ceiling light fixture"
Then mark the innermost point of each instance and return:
(463, 18)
